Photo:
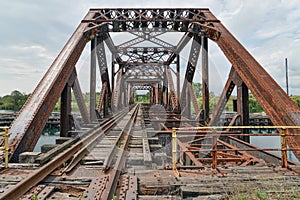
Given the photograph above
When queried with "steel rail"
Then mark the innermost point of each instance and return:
(23, 186)
(115, 173)
(107, 162)
(85, 150)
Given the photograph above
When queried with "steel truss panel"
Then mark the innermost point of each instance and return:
(132, 19)
(173, 98)
(190, 69)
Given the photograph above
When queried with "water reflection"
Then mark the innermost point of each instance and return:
(48, 136)
(269, 141)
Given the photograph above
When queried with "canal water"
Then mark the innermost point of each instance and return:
(48, 136)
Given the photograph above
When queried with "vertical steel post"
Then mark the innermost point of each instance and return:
(112, 73)
(214, 150)
(156, 94)
(287, 76)
(165, 88)
(6, 147)
(65, 111)
(205, 77)
(243, 108)
(93, 81)
(283, 148)
(188, 103)
(178, 76)
(174, 149)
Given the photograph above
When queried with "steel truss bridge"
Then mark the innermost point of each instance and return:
(145, 61)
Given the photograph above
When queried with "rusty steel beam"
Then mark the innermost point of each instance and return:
(205, 77)
(228, 88)
(28, 125)
(113, 49)
(243, 108)
(102, 62)
(112, 72)
(101, 97)
(80, 101)
(191, 67)
(173, 97)
(184, 149)
(141, 36)
(194, 99)
(65, 111)
(117, 92)
(181, 44)
(93, 81)
(276, 103)
(103, 68)
(131, 19)
(178, 76)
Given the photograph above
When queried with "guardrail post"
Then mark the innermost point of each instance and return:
(214, 150)
(283, 148)
(174, 149)
(6, 145)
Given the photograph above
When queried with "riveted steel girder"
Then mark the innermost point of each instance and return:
(28, 125)
(190, 69)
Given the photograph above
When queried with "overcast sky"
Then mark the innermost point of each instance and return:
(33, 32)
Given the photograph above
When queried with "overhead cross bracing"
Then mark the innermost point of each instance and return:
(147, 59)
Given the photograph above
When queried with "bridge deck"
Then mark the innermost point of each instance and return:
(125, 159)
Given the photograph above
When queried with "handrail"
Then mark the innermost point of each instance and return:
(5, 134)
(237, 127)
(282, 134)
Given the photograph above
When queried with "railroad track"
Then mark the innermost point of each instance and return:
(124, 157)
(70, 159)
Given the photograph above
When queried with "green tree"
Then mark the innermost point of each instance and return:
(17, 98)
(254, 106)
(197, 87)
(14, 101)
(7, 103)
(296, 99)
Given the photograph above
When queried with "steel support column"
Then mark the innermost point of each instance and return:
(193, 99)
(205, 78)
(173, 99)
(102, 63)
(189, 74)
(228, 88)
(80, 101)
(65, 111)
(178, 75)
(156, 93)
(93, 81)
(243, 108)
(112, 72)
(117, 91)
(188, 111)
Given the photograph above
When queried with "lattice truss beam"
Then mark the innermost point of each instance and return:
(148, 59)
